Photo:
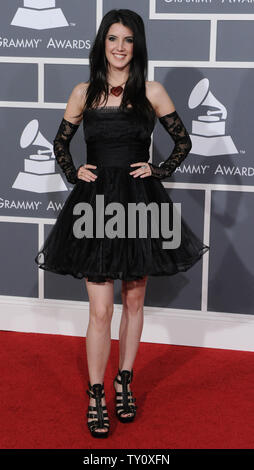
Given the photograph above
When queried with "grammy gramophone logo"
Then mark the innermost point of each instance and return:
(39, 14)
(209, 130)
(39, 169)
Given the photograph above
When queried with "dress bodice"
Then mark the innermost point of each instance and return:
(115, 137)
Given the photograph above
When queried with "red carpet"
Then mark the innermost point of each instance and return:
(187, 397)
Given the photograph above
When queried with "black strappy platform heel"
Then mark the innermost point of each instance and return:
(125, 404)
(96, 391)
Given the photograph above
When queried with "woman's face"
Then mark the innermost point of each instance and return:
(119, 46)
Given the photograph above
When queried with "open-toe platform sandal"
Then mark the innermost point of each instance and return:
(124, 400)
(96, 391)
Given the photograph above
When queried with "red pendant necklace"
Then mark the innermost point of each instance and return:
(116, 90)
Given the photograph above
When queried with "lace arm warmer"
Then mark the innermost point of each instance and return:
(175, 127)
(62, 153)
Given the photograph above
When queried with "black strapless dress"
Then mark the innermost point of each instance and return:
(114, 138)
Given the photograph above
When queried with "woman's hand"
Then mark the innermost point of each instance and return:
(143, 172)
(85, 174)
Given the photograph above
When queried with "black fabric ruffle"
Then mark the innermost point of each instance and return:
(119, 258)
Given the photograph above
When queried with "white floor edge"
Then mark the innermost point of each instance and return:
(166, 326)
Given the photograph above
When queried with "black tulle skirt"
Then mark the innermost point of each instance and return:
(100, 259)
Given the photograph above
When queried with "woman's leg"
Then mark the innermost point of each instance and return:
(131, 326)
(98, 335)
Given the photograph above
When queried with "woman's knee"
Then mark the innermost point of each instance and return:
(101, 315)
(133, 303)
(133, 293)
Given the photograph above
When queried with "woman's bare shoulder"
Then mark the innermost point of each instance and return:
(76, 102)
(159, 98)
(152, 86)
(80, 89)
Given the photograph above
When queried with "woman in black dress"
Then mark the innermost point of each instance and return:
(119, 109)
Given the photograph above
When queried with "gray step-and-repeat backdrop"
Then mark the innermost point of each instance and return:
(202, 52)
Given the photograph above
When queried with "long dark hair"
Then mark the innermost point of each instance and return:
(134, 92)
